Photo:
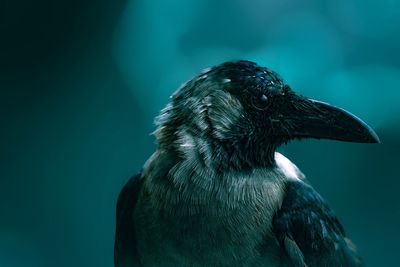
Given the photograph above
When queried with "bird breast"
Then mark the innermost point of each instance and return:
(191, 218)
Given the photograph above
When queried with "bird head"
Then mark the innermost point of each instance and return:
(239, 113)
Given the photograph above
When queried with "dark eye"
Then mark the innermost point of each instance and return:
(260, 102)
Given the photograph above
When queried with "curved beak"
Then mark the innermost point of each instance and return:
(315, 119)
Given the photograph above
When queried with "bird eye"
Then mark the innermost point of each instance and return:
(264, 98)
(260, 102)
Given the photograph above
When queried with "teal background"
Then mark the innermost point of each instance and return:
(81, 82)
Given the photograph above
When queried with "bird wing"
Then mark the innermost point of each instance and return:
(309, 232)
(125, 251)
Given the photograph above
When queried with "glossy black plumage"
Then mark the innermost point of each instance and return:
(125, 250)
(216, 193)
(310, 232)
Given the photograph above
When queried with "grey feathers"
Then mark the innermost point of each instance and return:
(216, 193)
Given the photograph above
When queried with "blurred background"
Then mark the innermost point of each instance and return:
(81, 81)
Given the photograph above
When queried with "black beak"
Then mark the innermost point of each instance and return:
(315, 119)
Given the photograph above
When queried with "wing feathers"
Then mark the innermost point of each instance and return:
(309, 231)
(125, 251)
(294, 252)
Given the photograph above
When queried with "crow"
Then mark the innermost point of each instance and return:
(216, 192)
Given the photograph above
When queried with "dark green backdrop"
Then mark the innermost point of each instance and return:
(82, 80)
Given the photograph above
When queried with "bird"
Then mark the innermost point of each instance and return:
(217, 193)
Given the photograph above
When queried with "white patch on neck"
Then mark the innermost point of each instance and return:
(287, 167)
